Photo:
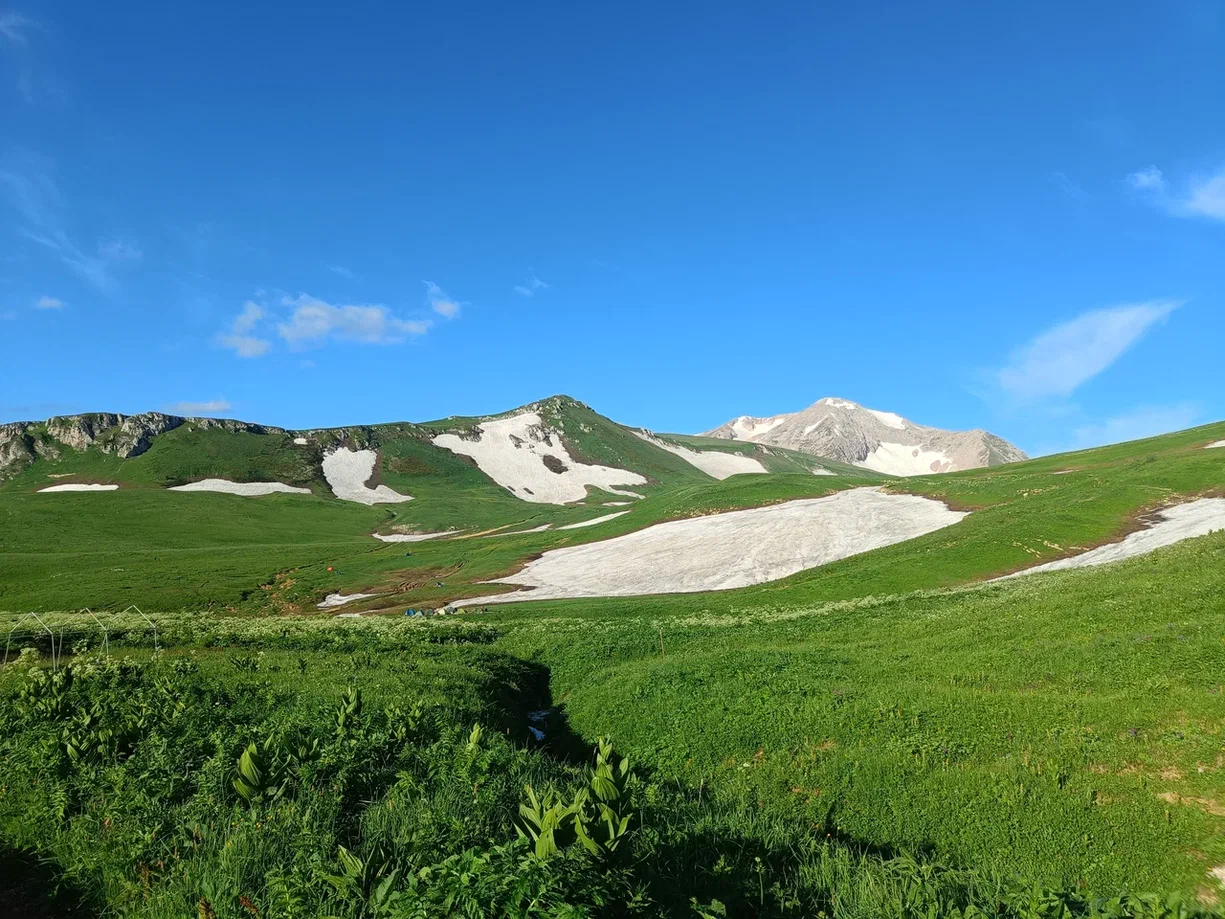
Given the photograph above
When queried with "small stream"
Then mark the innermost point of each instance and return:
(538, 723)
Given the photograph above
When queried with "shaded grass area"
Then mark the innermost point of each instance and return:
(307, 780)
(31, 888)
(1067, 726)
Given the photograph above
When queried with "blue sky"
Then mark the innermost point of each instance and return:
(1008, 216)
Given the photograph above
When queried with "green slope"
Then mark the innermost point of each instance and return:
(167, 550)
(775, 459)
(1062, 731)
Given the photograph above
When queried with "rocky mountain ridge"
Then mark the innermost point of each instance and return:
(883, 441)
(125, 436)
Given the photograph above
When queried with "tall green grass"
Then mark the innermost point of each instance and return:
(396, 779)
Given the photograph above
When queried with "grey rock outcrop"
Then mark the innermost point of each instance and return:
(125, 436)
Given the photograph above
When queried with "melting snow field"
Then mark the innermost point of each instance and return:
(714, 463)
(250, 489)
(411, 537)
(1172, 525)
(333, 600)
(533, 464)
(903, 459)
(735, 549)
(1219, 443)
(746, 428)
(592, 522)
(78, 487)
(539, 529)
(347, 472)
(889, 419)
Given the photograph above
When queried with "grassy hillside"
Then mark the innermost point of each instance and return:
(171, 551)
(775, 459)
(182, 455)
(385, 768)
(882, 736)
(1066, 727)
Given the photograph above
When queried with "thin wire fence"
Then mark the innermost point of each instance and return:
(34, 628)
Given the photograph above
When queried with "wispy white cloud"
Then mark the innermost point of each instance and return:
(117, 250)
(1199, 196)
(49, 303)
(1059, 360)
(1206, 197)
(15, 32)
(1148, 179)
(239, 338)
(210, 407)
(14, 27)
(341, 270)
(529, 289)
(313, 321)
(37, 199)
(1069, 187)
(8, 315)
(439, 301)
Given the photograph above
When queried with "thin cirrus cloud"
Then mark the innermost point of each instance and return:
(15, 32)
(439, 301)
(240, 338)
(529, 289)
(37, 200)
(1202, 196)
(15, 27)
(1059, 360)
(210, 407)
(49, 303)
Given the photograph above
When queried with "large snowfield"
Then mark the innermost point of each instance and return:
(734, 549)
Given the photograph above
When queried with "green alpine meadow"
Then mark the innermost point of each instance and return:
(753, 680)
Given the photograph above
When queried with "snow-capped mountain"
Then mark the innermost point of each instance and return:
(882, 441)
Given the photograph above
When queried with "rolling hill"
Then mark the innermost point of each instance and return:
(888, 731)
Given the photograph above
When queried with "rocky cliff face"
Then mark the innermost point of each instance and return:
(882, 441)
(122, 435)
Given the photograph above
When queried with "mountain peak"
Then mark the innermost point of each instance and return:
(846, 431)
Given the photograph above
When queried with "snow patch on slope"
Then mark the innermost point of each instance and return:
(411, 537)
(714, 463)
(889, 419)
(593, 521)
(905, 460)
(747, 427)
(539, 529)
(334, 600)
(78, 487)
(347, 472)
(1169, 526)
(734, 549)
(1219, 443)
(249, 489)
(513, 452)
